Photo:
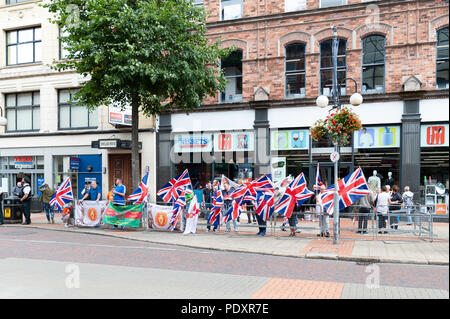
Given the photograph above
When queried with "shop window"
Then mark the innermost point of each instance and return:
(373, 60)
(442, 68)
(295, 5)
(72, 115)
(15, 1)
(22, 111)
(295, 71)
(23, 46)
(231, 9)
(232, 69)
(326, 66)
(332, 3)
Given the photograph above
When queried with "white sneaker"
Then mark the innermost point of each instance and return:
(66, 225)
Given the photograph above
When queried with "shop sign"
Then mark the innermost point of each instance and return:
(441, 209)
(290, 140)
(23, 162)
(434, 135)
(109, 143)
(234, 142)
(377, 137)
(74, 163)
(118, 116)
(187, 143)
(278, 168)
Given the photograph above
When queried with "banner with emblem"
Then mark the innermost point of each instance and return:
(89, 213)
(159, 216)
(127, 215)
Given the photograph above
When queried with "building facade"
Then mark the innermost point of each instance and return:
(47, 137)
(394, 51)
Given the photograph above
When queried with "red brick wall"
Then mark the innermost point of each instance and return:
(409, 28)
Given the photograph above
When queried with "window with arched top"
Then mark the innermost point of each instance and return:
(373, 64)
(442, 59)
(232, 68)
(295, 70)
(326, 66)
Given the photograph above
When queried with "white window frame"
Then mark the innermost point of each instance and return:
(298, 9)
(342, 4)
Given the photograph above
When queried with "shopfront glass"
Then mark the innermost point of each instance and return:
(14, 168)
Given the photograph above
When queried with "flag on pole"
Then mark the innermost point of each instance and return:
(192, 217)
(214, 215)
(296, 193)
(63, 195)
(177, 210)
(351, 188)
(140, 194)
(174, 188)
(229, 181)
(233, 212)
(265, 205)
(247, 191)
(318, 182)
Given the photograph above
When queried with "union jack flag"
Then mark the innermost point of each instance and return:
(214, 216)
(265, 205)
(351, 188)
(63, 195)
(174, 188)
(247, 191)
(318, 182)
(233, 212)
(140, 194)
(177, 210)
(296, 193)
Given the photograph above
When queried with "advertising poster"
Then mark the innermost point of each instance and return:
(118, 116)
(377, 137)
(290, 140)
(234, 142)
(434, 135)
(187, 143)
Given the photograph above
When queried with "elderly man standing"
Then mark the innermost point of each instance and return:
(47, 194)
(324, 218)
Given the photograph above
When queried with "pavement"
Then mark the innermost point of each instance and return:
(404, 248)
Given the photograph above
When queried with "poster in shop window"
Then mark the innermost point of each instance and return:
(434, 135)
(289, 140)
(234, 141)
(377, 137)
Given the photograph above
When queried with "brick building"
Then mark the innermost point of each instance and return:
(397, 53)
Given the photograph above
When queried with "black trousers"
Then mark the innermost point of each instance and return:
(382, 221)
(262, 224)
(26, 210)
(362, 219)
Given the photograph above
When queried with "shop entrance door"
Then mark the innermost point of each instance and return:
(120, 167)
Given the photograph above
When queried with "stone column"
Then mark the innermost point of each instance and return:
(164, 148)
(262, 142)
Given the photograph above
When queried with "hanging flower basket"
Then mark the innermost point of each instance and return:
(341, 124)
(319, 130)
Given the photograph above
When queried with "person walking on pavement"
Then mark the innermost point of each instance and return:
(324, 218)
(408, 203)
(25, 198)
(46, 195)
(365, 206)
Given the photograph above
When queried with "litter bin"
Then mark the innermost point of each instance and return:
(12, 210)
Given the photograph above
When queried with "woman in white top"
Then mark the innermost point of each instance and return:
(382, 204)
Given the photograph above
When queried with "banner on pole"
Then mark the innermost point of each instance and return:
(127, 215)
(89, 213)
(159, 216)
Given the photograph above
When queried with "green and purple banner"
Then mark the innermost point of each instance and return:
(128, 215)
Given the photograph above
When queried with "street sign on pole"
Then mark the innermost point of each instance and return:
(334, 156)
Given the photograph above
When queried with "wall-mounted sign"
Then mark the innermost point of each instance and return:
(109, 143)
(234, 142)
(290, 140)
(23, 162)
(434, 135)
(377, 137)
(186, 143)
(278, 168)
(118, 116)
(74, 163)
(113, 143)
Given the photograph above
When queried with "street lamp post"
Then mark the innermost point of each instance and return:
(322, 101)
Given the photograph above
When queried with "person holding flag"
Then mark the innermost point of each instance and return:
(318, 182)
(324, 218)
(228, 201)
(141, 195)
(214, 215)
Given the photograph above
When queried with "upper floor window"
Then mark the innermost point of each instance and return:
(198, 3)
(332, 3)
(23, 46)
(373, 59)
(326, 66)
(295, 70)
(62, 46)
(22, 111)
(15, 1)
(294, 5)
(442, 59)
(72, 115)
(231, 9)
(232, 69)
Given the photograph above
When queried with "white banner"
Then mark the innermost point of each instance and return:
(159, 216)
(89, 213)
